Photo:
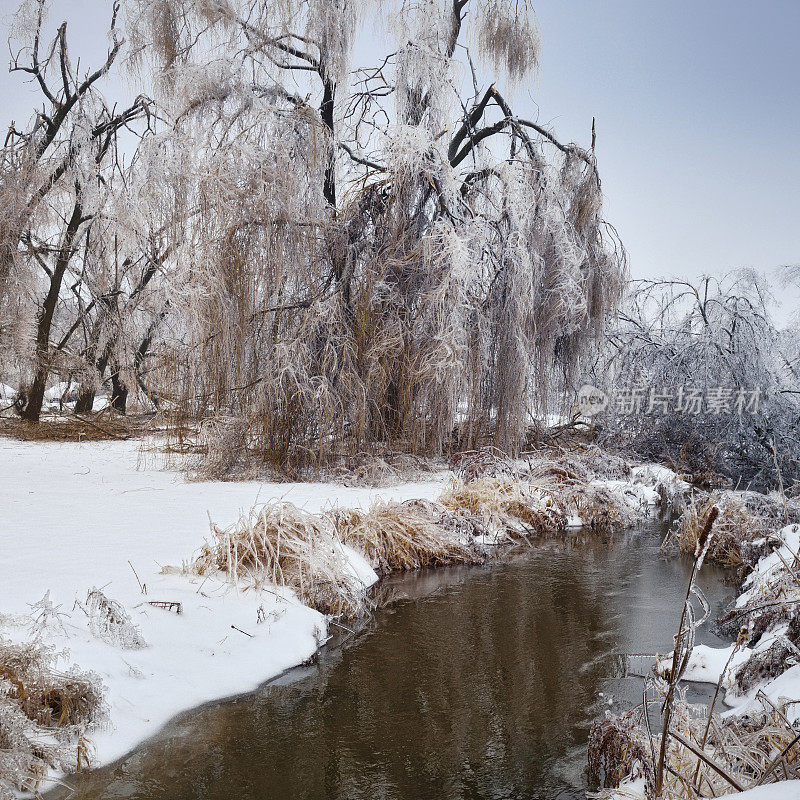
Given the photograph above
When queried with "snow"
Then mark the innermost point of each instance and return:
(72, 517)
(64, 389)
(757, 582)
(7, 395)
(638, 496)
(630, 789)
(358, 568)
(785, 686)
(706, 663)
(784, 790)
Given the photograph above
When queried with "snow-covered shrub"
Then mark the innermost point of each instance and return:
(507, 505)
(700, 378)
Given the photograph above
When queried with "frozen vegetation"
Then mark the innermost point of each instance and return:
(722, 750)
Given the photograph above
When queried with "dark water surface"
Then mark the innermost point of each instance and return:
(475, 682)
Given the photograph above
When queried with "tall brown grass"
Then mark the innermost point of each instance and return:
(281, 544)
(745, 519)
(403, 536)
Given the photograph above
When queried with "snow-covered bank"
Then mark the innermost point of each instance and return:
(767, 608)
(755, 740)
(785, 790)
(76, 518)
(73, 516)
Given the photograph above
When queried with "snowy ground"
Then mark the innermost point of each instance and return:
(707, 664)
(71, 518)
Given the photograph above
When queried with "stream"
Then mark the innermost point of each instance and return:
(471, 683)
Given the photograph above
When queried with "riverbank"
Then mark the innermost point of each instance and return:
(89, 533)
(750, 748)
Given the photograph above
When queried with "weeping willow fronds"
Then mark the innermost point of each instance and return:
(509, 37)
(305, 262)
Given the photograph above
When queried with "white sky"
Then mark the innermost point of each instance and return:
(698, 120)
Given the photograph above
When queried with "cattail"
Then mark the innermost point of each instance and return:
(705, 535)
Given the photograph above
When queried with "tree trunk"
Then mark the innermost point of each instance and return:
(34, 395)
(85, 401)
(326, 112)
(119, 390)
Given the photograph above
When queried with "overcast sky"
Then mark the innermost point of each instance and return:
(698, 120)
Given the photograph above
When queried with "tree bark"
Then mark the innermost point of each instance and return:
(119, 390)
(34, 395)
(326, 112)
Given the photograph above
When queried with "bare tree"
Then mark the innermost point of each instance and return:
(716, 381)
(57, 176)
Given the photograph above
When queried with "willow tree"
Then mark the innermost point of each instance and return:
(366, 256)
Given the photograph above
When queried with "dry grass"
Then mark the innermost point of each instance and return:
(283, 545)
(744, 748)
(44, 715)
(745, 518)
(517, 507)
(85, 428)
(403, 536)
(746, 751)
(618, 748)
(541, 504)
(280, 544)
(576, 462)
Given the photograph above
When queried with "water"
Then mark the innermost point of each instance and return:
(474, 682)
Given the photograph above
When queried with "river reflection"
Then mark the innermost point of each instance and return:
(477, 682)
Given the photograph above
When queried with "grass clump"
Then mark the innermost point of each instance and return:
(502, 503)
(745, 522)
(403, 536)
(281, 544)
(708, 755)
(44, 716)
(618, 749)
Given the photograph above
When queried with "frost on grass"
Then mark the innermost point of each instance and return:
(741, 532)
(712, 753)
(316, 555)
(45, 714)
(282, 545)
(745, 751)
(109, 621)
(401, 536)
